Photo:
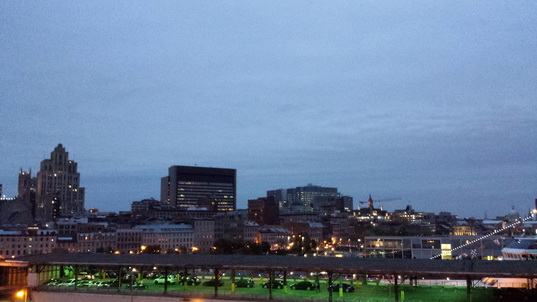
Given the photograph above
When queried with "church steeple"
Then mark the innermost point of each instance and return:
(370, 202)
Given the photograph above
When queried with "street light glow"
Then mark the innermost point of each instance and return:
(20, 293)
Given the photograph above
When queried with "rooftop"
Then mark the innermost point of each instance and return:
(372, 266)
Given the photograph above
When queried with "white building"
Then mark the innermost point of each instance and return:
(170, 237)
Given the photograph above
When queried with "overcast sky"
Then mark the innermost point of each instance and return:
(434, 102)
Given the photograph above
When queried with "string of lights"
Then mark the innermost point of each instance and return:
(486, 236)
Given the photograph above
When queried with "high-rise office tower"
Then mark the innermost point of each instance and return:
(58, 187)
(199, 187)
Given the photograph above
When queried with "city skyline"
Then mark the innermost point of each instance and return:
(356, 203)
(433, 103)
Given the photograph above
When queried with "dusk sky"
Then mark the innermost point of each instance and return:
(434, 102)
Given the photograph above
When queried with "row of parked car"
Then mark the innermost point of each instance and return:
(248, 282)
(92, 283)
(307, 285)
(192, 280)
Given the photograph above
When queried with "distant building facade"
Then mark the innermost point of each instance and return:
(58, 187)
(250, 229)
(27, 190)
(312, 229)
(264, 211)
(279, 196)
(304, 199)
(198, 187)
(425, 247)
(409, 215)
(27, 242)
(143, 206)
(228, 225)
(203, 238)
(337, 204)
(128, 240)
(94, 242)
(170, 237)
(276, 237)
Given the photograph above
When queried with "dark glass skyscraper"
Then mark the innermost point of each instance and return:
(199, 187)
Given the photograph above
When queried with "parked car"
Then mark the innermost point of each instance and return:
(128, 278)
(374, 279)
(85, 275)
(84, 283)
(212, 282)
(161, 280)
(489, 281)
(52, 282)
(70, 282)
(303, 285)
(347, 288)
(190, 281)
(136, 285)
(244, 282)
(152, 275)
(276, 284)
(101, 284)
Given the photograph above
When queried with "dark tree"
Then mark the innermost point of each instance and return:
(265, 247)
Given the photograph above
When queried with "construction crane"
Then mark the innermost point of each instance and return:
(370, 201)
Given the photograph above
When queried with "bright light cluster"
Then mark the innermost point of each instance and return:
(488, 235)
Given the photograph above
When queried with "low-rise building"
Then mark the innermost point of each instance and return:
(250, 229)
(228, 225)
(95, 242)
(313, 229)
(26, 242)
(203, 235)
(170, 237)
(129, 241)
(425, 247)
(275, 237)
